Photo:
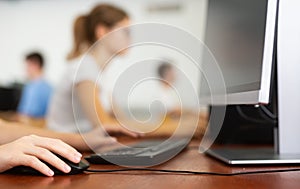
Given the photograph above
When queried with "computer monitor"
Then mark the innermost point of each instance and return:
(242, 36)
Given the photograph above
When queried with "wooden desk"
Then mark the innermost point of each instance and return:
(187, 160)
(14, 117)
(166, 128)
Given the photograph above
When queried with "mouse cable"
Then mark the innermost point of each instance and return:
(186, 172)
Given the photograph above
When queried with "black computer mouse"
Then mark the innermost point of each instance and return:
(76, 168)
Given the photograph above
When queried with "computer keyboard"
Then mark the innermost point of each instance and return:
(144, 153)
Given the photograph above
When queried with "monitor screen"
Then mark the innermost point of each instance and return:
(240, 35)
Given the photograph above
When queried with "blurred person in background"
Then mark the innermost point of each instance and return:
(166, 91)
(79, 88)
(37, 92)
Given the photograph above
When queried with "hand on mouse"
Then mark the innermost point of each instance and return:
(32, 150)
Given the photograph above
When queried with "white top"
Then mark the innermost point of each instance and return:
(65, 114)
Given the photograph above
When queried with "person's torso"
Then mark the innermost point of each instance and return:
(36, 96)
(65, 113)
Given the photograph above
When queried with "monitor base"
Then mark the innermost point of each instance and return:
(252, 156)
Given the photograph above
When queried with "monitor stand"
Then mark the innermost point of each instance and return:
(241, 153)
(237, 152)
(252, 156)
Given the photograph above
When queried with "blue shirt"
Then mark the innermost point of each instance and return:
(35, 98)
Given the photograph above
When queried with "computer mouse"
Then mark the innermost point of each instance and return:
(76, 168)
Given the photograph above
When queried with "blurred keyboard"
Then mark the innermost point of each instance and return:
(144, 153)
